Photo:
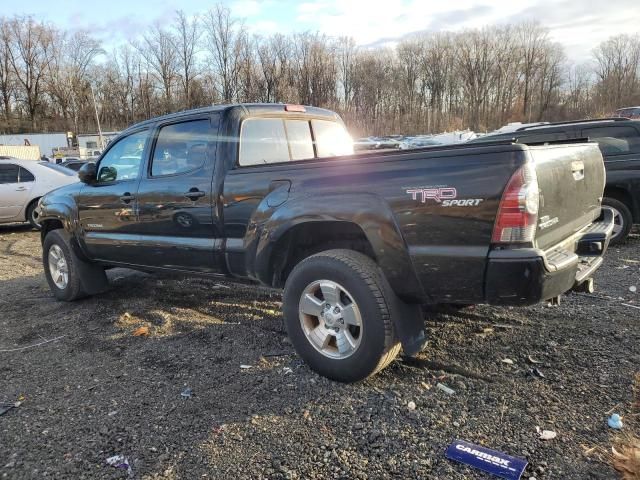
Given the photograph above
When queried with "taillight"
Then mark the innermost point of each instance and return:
(518, 211)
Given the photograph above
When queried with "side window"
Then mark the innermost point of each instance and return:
(300, 142)
(9, 173)
(332, 138)
(181, 147)
(542, 137)
(614, 140)
(122, 161)
(26, 175)
(263, 140)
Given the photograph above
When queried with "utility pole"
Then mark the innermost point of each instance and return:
(95, 108)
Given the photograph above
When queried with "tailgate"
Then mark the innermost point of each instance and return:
(571, 180)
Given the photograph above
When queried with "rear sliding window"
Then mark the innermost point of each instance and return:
(614, 140)
(277, 140)
(332, 139)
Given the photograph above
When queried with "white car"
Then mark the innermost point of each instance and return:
(23, 182)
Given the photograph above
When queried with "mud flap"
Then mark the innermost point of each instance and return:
(408, 322)
(92, 277)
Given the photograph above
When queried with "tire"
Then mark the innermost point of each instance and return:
(72, 289)
(32, 216)
(622, 217)
(360, 282)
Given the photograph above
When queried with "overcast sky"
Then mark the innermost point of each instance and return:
(578, 24)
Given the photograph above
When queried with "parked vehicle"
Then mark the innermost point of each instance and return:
(265, 194)
(23, 182)
(74, 165)
(628, 112)
(619, 140)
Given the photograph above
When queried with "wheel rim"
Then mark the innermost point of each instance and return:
(34, 217)
(618, 221)
(58, 267)
(330, 319)
(184, 220)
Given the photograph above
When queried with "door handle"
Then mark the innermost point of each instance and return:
(194, 194)
(127, 197)
(21, 189)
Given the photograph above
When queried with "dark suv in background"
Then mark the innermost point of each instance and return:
(619, 141)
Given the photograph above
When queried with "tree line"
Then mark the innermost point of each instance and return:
(53, 80)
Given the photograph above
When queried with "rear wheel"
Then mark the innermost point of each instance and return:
(338, 314)
(623, 220)
(32, 215)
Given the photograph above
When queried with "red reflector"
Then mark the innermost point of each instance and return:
(294, 108)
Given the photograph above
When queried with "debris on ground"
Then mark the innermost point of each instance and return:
(141, 331)
(287, 370)
(535, 371)
(186, 393)
(508, 361)
(245, 367)
(491, 461)
(120, 461)
(633, 289)
(5, 407)
(631, 306)
(546, 434)
(615, 421)
(532, 360)
(445, 389)
(411, 405)
(626, 459)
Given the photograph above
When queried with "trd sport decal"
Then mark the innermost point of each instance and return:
(445, 196)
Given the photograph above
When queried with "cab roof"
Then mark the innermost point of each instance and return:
(248, 108)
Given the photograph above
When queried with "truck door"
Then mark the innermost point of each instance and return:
(107, 208)
(14, 190)
(177, 227)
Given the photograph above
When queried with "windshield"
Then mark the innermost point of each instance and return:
(58, 168)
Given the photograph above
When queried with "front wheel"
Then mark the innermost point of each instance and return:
(60, 267)
(337, 309)
(622, 219)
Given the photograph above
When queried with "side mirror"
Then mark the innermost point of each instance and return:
(87, 173)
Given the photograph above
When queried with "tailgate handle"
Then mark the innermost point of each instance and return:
(577, 169)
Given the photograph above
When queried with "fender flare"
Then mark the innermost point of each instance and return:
(367, 211)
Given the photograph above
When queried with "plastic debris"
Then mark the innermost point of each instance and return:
(631, 306)
(411, 405)
(186, 393)
(615, 421)
(141, 331)
(445, 389)
(546, 434)
(120, 461)
(492, 461)
(5, 407)
(245, 367)
(633, 289)
(287, 370)
(508, 361)
(532, 360)
(535, 371)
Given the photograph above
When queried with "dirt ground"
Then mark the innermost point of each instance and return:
(95, 390)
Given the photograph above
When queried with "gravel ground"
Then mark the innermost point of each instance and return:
(97, 390)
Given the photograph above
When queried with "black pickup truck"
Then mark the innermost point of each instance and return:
(272, 194)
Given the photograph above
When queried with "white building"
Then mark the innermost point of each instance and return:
(89, 143)
(46, 141)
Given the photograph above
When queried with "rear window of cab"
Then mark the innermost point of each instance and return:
(279, 140)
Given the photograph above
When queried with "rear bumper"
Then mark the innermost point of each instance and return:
(528, 276)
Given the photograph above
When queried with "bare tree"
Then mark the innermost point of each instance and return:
(158, 49)
(186, 41)
(225, 38)
(30, 54)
